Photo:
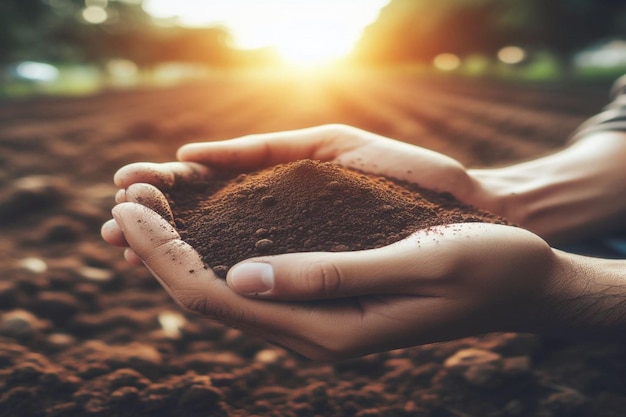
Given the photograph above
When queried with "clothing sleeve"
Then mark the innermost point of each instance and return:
(612, 117)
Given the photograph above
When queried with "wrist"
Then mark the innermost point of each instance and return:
(582, 297)
(503, 191)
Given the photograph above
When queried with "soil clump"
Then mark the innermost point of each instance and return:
(307, 206)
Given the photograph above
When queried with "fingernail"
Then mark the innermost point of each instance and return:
(118, 218)
(252, 278)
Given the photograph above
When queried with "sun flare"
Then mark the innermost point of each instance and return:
(303, 32)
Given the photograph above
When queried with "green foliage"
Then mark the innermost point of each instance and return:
(19, 22)
(53, 31)
(417, 30)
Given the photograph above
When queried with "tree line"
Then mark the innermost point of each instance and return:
(406, 31)
(418, 30)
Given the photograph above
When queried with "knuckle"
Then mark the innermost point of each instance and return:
(337, 129)
(199, 304)
(322, 278)
(192, 301)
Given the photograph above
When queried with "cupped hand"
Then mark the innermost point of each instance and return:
(439, 284)
(345, 145)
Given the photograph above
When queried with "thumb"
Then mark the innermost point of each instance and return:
(325, 275)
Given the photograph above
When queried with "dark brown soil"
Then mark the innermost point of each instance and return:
(307, 206)
(84, 334)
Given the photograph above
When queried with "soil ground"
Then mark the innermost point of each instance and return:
(82, 333)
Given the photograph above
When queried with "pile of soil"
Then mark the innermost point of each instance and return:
(307, 206)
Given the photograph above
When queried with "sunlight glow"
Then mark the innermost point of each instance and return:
(446, 62)
(610, 54)
(511, 54)
(302, 31)
(95, 14)
(122, 72)
(37, 71)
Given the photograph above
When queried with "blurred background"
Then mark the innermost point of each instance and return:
(82, 46)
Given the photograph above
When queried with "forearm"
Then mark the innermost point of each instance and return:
(583, 298)
(574, 193)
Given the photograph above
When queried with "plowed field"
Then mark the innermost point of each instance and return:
(82, 333)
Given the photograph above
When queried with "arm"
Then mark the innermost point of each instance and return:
(575, 193)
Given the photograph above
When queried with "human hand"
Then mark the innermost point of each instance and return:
(344, 145)
(439, 284)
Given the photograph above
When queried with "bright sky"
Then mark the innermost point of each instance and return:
(303, 31)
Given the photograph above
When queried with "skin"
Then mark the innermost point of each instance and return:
(438, 284)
